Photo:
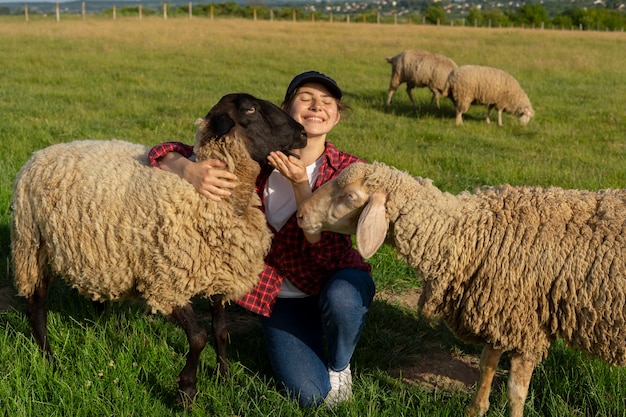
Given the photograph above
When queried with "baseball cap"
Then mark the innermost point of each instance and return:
(313, 77)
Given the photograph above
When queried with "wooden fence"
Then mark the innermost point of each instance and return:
(345, 17)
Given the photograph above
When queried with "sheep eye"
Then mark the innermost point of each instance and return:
(250, 110)
(351, 198)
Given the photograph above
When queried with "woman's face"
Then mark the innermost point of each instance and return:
(314, 108)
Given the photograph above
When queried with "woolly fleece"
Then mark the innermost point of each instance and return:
(116, 228)
(515, 267)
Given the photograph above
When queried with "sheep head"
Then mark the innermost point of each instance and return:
(262, 126)
(525, 113)
(352, 203)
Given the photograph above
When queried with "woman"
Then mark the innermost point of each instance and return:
(315, 289)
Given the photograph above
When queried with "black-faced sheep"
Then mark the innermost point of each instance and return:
(96, 214)
(514, 268)
(475, 84)
(418, 68)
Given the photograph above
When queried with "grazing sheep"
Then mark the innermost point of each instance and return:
(94, 213)
(492, 87)
(514, 268)
(418, 68)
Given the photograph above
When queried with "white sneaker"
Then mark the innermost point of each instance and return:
(340, 386)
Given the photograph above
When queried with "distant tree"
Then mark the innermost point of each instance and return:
(434, 14)
(496, 17)
(533, 14)
(562, 21)
(475, 17)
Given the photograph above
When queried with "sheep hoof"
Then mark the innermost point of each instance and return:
(185, 398)
(222, 370)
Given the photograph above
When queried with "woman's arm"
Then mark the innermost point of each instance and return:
(208, 177)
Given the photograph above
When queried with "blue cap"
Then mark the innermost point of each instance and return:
(313, 77)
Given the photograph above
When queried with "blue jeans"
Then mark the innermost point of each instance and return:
(306, 336)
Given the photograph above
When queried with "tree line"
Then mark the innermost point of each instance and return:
(610, 16)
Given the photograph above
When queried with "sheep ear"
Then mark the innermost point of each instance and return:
(222, 124)
(371, 229)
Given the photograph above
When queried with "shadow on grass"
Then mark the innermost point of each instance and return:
(396, 340)
(402, 107)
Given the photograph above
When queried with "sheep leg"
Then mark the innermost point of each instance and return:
(488, 365)
(459, 117)
(220, 333)
(390, 94)
(408, 91)
(499, 117)
(489, 110)
(517, 386)
(197, 338)
(38, 314)
(436, 98)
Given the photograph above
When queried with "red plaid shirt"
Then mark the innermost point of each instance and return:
(307, 266)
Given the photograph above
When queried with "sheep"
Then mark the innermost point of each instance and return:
(514, 268)
(492, 87)
(418, 69)
(95, 213)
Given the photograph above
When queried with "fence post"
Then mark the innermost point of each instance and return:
(82, 8)
(58, 13)
(254, 14)
(293, 15)
(330, 17)
(164, 11)
(211, 12)
(271, 15)
(190, 10)
(140, 12)
(114, 12)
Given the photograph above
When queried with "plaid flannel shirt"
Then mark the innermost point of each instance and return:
(307, 266)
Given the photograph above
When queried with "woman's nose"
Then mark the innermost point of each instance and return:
(315, 104)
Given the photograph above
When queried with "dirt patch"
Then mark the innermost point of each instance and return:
(450, 371)
(442, 371)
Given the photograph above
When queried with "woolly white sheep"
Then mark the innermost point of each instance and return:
(96, 214)
(514, 268)
(418, 68)
(475, 84)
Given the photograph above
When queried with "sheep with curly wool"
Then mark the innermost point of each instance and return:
(96, 214)
(418, 68)
(493, 87)
(514, 268)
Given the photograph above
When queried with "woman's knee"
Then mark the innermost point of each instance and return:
(349, 288)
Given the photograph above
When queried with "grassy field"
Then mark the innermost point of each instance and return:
(147, 81)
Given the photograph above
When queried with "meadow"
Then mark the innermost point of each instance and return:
(147, 81)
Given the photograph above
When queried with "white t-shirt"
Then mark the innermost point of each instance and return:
(280, 205)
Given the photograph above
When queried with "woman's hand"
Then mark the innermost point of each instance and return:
(295, 171)
(289, 166)
(208, 177)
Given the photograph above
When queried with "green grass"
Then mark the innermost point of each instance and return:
(147, 81)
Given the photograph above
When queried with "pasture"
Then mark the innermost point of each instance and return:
(147, 81)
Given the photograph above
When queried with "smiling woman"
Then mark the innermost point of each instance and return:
(309, 279)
